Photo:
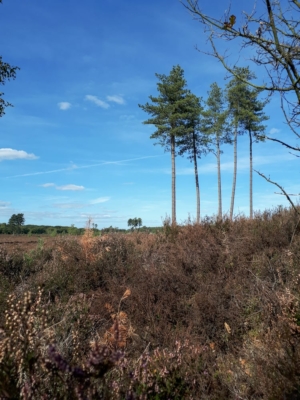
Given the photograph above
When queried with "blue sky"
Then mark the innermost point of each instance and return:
(74, 146)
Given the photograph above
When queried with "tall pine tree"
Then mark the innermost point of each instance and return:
(195, 143)
(246, 113)
(168, 113)
(252, 119)
(236, 94)
(215, 125)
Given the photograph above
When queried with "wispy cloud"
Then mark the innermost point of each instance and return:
(63, 187)
(257, 161)
(26, 121)
(103, 104)
(70, 187)
(273, 131)
(228, 166)
(95, 100)
(127, 117)
(116, 99)
(64, 105)
(45, 185)
(68, 206)
(71, 205)
(11, 154)
(100, 200)
(120, 162)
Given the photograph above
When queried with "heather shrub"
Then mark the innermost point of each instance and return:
(209, 308)
(11, 265)
(267, 365)
(31, 367)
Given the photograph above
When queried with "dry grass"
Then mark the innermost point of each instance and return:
(210, 309)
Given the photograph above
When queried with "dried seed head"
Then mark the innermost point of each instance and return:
(227, 327)
(127, 293)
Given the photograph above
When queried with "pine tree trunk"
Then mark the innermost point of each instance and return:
(219, 180)
(251, 176)
(173, 180)
(196, 178)
(234, 173)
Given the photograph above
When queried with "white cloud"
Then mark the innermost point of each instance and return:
(47, 185)
(95, 100)
(67, 206)
(64, 105)
(70, 187)
(116, 99)
(273, 131)
(99, 200)
(11, 154)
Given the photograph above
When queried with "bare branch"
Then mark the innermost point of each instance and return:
(276, 44)
(290, 194)
(281, 188)
(280, 141)
(289, 121)
(295, 155)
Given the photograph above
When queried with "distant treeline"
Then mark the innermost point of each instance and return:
(65, 230)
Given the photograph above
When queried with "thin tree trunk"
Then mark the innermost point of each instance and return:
(173, 180)
(219, 180)
(234, 173)
(196, 178)
(251, 176)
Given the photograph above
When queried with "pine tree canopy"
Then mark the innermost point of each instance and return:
(169, 109)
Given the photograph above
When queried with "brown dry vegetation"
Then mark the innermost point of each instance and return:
(206, 311)
(24, 243)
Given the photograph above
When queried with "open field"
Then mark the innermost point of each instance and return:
(206, 311)
(24, 243)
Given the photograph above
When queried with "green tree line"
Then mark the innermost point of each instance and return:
(16, 225)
